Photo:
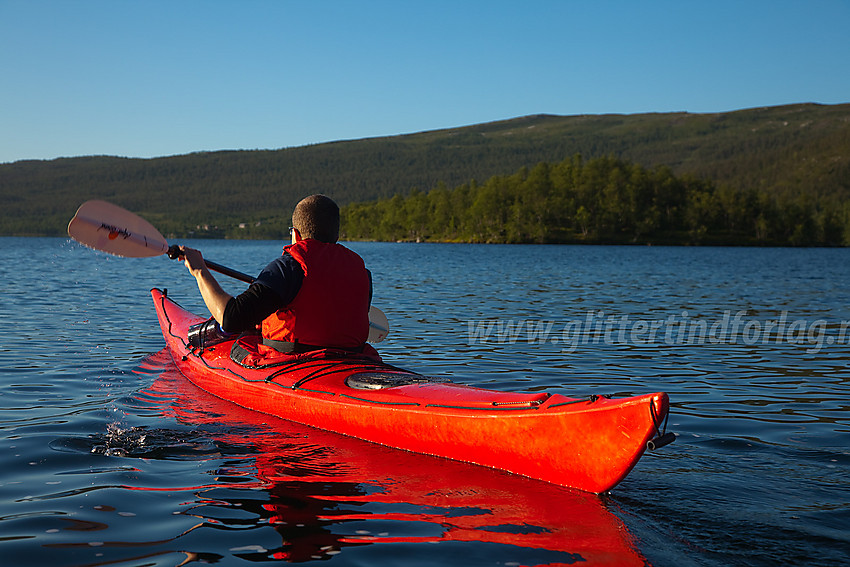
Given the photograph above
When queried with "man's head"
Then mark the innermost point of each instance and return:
(317, 217)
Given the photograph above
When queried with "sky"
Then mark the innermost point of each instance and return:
(137, 78)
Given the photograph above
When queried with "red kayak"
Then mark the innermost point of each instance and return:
(333, 490)
(590, 444)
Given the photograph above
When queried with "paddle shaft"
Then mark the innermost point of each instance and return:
(174, 254)
(229, 272)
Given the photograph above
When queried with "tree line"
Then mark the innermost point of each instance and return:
(602, 200)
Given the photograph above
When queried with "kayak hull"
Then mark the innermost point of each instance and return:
(589, 444)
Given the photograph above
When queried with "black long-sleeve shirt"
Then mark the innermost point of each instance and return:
(275, 287)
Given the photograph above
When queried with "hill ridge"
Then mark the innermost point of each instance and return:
(789, 149)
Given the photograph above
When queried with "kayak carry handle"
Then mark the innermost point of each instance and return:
(660, 441)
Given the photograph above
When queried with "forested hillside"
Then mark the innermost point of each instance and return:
(788, 152)
(603, 200)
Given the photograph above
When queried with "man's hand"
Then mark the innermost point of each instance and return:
(194, 260)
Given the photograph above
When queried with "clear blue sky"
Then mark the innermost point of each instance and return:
(153, 78)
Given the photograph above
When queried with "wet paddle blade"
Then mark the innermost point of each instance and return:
(109, 228)
(379, 326)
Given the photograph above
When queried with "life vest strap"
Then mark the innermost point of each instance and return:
(287, 347)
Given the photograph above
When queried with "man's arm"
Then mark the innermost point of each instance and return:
(214, 296)
(249, 308)
(274, 288)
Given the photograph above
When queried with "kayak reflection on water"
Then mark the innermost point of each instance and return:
(323, 492)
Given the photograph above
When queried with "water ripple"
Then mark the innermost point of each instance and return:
(109, 457)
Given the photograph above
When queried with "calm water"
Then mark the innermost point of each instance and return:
(109, 457)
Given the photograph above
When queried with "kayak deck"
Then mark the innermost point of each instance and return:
(590, 444)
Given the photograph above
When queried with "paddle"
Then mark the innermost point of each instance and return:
(111, 229)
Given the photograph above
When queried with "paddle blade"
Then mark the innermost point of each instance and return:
(379, 326)
(109, 228)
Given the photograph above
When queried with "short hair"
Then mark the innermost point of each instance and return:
(317, 217)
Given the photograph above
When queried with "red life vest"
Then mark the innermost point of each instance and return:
(332, 307)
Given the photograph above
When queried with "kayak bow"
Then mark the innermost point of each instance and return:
(590, 444)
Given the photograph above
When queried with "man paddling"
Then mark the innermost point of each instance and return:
(316, 295)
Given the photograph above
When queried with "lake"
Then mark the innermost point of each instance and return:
(110, 457)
